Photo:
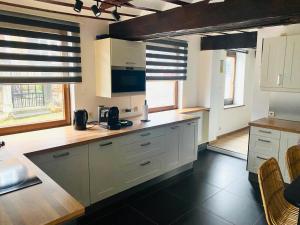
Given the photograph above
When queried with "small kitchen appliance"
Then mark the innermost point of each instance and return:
(80, 119)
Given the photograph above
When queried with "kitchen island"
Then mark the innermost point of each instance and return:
(48, 202)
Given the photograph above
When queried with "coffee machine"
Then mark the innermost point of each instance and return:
(109, 117)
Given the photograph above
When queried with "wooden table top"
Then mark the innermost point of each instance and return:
(292, 193)
(48, 203)
(277, 124)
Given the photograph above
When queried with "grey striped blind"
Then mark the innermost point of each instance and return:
(166, 59)
(38, 50)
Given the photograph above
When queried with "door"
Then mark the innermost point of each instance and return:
(188, 142)
(292, 63)
(287, 140)
(102, 170)
(272, 67)
(172, 145)
(69, 168)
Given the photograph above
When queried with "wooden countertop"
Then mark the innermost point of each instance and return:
(277, 124)
(192, 110)
(48, 203)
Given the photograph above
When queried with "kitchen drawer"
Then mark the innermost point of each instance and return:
(142, 170)
(144, 135)
(141, 149)
(264, 145)
(265, 132)
(255, 160)
(44, 157)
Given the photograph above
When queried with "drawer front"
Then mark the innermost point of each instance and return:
(255, 160)
(142, 170)
(142, 149)
(58, 154)
(143, 136)
(265, 132)
(264, 145)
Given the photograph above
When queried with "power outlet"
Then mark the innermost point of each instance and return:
(271, 114)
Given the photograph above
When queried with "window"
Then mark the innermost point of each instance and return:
(162, 95)
(38, 57)
(166, 63)
(230, 75)
(25, 107)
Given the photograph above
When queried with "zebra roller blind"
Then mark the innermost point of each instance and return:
(166, 59)
(38, 50)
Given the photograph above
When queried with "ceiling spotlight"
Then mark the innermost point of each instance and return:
(116, 15)
(78, 6)
(96, 10)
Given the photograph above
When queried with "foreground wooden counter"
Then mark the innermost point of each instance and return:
(48, 203)
(277, 124)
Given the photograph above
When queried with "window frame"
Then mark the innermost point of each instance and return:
(44, 125)
(230, 101)
(170, 107)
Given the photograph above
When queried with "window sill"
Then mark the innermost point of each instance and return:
(233, 106)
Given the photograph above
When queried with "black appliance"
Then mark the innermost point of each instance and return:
(80, 119)
(128, 79)
(109, 118)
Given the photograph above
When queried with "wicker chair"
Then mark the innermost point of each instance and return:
(293, 162)
(277, 210)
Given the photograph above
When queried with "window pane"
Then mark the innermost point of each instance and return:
(27, 104)
(161, 93)
(229, 78)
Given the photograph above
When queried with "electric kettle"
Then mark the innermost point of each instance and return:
(80, 119)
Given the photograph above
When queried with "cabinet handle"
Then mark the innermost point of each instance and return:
(146, 144)
(265, 132)
(145, 163)
(130, 63)
(190, 123)
(55, 156)
(146, 134)
(265, 141)
(175, 127)
(261, 158)
(106, 144)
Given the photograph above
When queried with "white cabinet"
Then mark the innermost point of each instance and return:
(287, 140)
(280, 69)
(69, 168)
(292, 63)
(188, 142)
(103, 166)
(172, 146)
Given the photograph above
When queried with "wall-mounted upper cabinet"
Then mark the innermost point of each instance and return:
(120, 67)
(280, 69)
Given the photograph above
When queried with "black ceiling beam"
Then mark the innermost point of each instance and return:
(202, 17)
(177, 2)
(229, 41)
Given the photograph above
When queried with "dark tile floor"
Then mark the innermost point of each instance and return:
(217, 192)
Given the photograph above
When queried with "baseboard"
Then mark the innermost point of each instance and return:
(227, 152)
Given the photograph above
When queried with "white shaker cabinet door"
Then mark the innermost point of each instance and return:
(292, 63)
(287, 140)
(102, 170)
(273, 58)
(172, 146)
(188, 142)
(68, 168)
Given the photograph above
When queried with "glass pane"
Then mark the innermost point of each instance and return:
(23, 104)
(229, 78)
(161, 93)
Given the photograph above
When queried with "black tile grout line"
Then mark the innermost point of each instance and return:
(181, 216)
(142, 214)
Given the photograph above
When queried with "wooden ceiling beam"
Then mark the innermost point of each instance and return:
(52, 11)
(202, 17)
(55, 2)
(229, 41)
(177, 2)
